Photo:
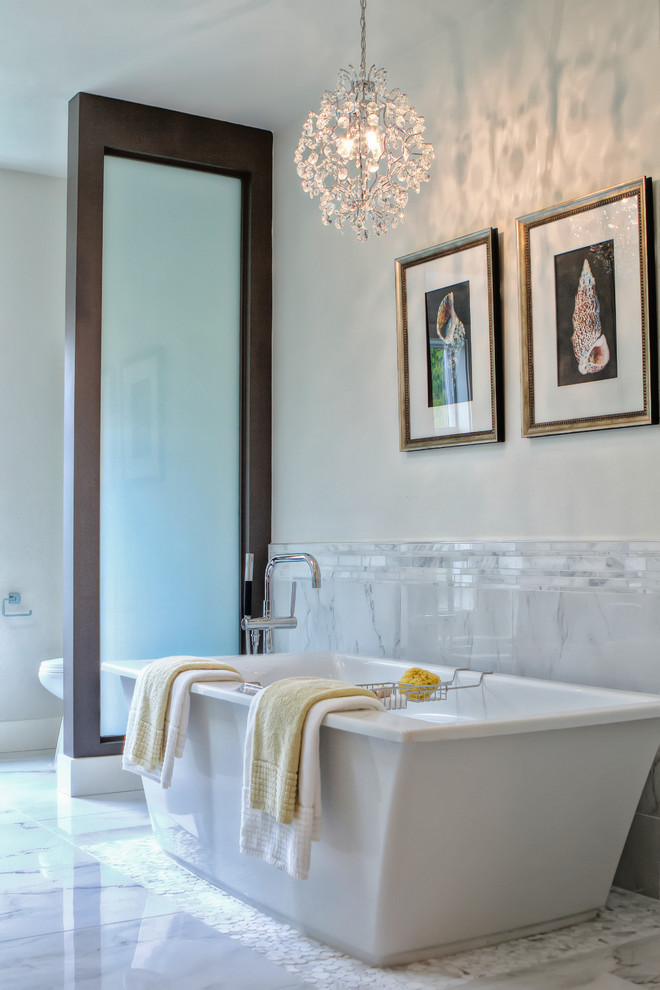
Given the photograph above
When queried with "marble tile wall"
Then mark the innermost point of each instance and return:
(584, 612)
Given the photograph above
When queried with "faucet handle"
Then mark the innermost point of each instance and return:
(293, 599)
(248, 575)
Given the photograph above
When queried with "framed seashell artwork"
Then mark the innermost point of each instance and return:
(449, 352)
(587, 305)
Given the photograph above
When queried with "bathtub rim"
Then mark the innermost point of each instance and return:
(625, 705)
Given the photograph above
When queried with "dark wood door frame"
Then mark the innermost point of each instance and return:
(100, 126)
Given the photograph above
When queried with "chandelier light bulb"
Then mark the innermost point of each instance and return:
(363, 151)
(344, 147)
(374, 144)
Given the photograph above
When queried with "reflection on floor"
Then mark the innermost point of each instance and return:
(67, 920)
(88, 901)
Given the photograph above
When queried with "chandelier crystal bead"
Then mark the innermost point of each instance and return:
(363, 151)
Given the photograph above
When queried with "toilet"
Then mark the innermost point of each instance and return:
(51, 675)
(115, 716)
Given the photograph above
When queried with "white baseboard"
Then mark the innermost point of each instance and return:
(79, 776)
(29, 734)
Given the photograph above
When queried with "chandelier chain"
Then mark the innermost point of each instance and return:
(363, 38)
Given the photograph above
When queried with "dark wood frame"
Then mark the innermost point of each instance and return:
(487, 240)
(99, 126)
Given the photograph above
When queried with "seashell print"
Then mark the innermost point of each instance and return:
(450, 329)
(589, 344)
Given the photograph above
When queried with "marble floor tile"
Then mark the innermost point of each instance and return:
(25, 836)
(12, 816)
(166, 953)
(35, 902)
(625, 916)
(119, 914)
(638, 962)
(18, 780)
(67, 920)
(83, 828)
(56, 860)
(32, 762)
(44, 804)
(634, 964)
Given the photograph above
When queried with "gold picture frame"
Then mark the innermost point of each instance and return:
(449, 353)
(587, 313)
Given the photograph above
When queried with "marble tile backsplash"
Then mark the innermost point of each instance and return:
(584, 612)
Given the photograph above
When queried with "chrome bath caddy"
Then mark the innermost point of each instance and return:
(395, 695)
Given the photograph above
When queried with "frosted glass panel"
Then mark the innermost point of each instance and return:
(170, 408)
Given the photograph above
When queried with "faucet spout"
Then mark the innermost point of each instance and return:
(282, 558)
(286, 558)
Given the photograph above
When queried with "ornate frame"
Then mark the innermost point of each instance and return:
(613, 378)
(427, 416)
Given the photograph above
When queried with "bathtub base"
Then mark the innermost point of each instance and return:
(396, 958)
(406, 869)
(451, 948)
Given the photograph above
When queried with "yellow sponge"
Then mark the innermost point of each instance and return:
(417, 675)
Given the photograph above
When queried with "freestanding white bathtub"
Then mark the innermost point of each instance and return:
(499, 812)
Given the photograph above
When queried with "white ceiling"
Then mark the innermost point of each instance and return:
(258, 62)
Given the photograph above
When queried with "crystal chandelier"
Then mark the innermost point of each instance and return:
(363, 150)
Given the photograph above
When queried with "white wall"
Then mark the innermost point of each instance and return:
(529, 104)
(32, 275)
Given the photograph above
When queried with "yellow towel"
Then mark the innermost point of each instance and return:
(145, 743)
(280, 717)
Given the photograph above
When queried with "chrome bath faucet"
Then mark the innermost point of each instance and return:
(268, 622)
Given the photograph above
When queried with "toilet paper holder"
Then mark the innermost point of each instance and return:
(13, 598)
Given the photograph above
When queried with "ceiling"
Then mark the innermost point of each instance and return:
(258, 62)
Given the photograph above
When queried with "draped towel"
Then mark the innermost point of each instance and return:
(158, 718)
(287, 780)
